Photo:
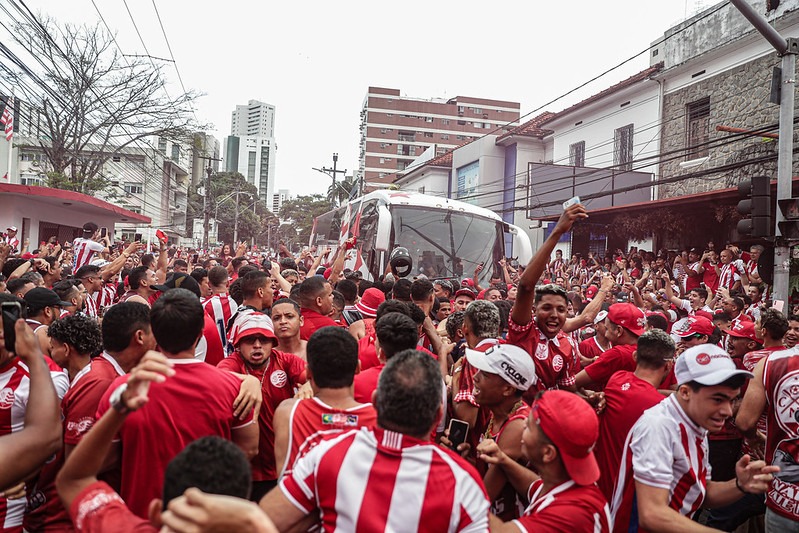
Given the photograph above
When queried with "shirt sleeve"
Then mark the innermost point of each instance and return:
(653, 456)
(99, 508)
(604, 367)
(95, 246)
(299, 486)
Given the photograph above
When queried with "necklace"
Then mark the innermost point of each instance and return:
(488, 434)
(247, 371)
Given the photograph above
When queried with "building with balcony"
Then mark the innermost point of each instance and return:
(251, 148)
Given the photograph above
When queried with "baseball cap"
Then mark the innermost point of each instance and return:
(467, 282)
(590, 292)
(253, 324)
(600, 316)
(12, 228)
(744, 329)
(628, 316)
(41, 297)
(179, 280)
(465, 292)
(707, 364)
(573, 427)
(369, 302)
(694, 325)
(511, 363)
(90, 227)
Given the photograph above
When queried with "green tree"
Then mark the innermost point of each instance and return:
(300, 213)
(340, 192)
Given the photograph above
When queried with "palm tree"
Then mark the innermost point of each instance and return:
(342, 191)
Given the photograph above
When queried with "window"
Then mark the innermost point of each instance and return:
(478, 111)
(116, 159)
(176, 153)
(162, 145)
(383, 145)
(461, 109)
(461, 123)
(133, 188)
(444, 137)
(406, 136)
(698, 128)
(478, 125)
(383, 130)
(31, 180)
(486, 125)
(623, 147)
(251, 167)
(133, 209)
(382, 160)
(577, 154)
(441, 151)
(428, 134)
(445, 121)
(459, 137)
(428, 119)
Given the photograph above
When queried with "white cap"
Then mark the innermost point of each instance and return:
(511, 363)
(707, 364)
(600, 316)
(12, 228)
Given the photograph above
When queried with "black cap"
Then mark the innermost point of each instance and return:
(40, 297)
(179, 280)
(90, 227)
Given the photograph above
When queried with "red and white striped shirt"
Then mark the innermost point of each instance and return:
(220, 307)
(394, 482)
(84, 251)
(567, 507)
(666, 450)
(311, 420)
(729, 275)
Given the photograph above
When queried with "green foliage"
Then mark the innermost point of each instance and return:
(86, 185)
(301, 211)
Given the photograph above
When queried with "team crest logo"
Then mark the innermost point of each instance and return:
(625, 387)
(703, 359)
(81, 426)
(279, 378)
(542, 351)
(6, 398)
(557, 363)
(786, 395)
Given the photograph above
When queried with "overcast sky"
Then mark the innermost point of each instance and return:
(314, 60)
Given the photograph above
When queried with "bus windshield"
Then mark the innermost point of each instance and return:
(447, 244)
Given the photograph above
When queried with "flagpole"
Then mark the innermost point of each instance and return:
(10, 106)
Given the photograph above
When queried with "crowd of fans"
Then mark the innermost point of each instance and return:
(233, 391)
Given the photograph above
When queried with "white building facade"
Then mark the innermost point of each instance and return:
(251, 148)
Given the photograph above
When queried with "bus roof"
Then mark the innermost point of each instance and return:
(415, 199)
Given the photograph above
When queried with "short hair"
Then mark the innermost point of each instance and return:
(702, 293)
(147, 260)
(287, 262)
(211, 464)
(177, 319)
(793, 318)
(121, 321)
(217, 276)
(391, 306)
(252, 281)
(444, 300)
(654, 348)
(338, 300)
(657, 321)
(738, 302)
(723, 316)
(15, 285)
(504, 307)
(775, 323)
(246, 269)
(454, 323)
(289, 272)
(556, 290)
(288, 301)
(181, 263)
(86, 271)
(483, 319)
(408, 397)
(11, 265)
(332, 357)
(416, 313)
(348, 289)
(396, 332)
(136, 275)
(421, 289)
(79, 331)
(310, 289)
(32, 276)
(234, 291)
(65, 289)
(199, 274)
(402, 289)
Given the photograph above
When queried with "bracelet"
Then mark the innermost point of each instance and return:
(738, 486)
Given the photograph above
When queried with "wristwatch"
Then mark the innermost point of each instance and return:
(117, 402)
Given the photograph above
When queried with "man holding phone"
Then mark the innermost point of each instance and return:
(87, 245)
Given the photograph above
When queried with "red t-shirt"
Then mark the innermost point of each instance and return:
(710, 277)
(590, 348)
(311, 421)
(314, 321)
(99, 508)
(367, 353)
(283, 373)
(365, 383)
(214, 350)
(627, 397)
(553, 358)
(567, 507)
(79, 405)
(196, 402)
(619, 357)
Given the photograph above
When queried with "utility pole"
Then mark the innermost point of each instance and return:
(331, 172)
(206, 202)
(787, 49)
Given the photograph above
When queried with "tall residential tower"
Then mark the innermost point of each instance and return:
(250, 148)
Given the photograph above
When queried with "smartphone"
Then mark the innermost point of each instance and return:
(11, 311)
(458, 430)
(103, 233)
(570, 202)
(137, 237)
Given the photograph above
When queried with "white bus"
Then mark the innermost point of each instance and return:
(446, 238)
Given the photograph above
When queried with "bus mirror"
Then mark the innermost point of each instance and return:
(522, 249)
(383, 229)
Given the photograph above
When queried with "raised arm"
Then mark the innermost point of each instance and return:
(522, 310)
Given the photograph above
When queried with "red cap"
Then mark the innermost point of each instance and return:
(465, 292)
(467, 282)
(706, 314)
(744, 329)
(481, 294)
(591, 291)
(695, 325)
(27, 255)
(628, 316)
(327, 273)
(572, 425)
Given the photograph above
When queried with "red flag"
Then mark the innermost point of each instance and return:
(161, 236)
(7, 119)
